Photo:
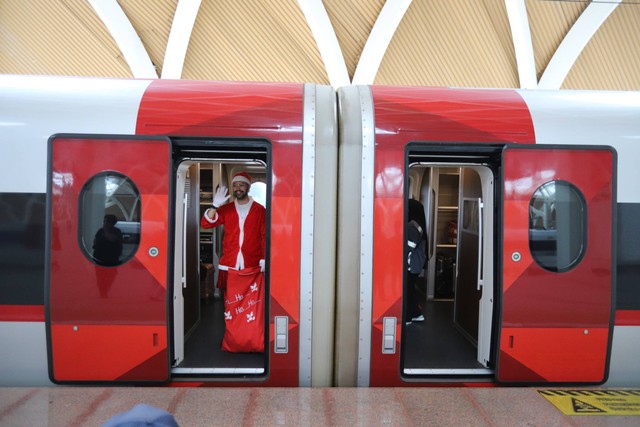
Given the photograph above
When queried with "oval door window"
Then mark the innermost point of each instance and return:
(109, 219)
(557, 226)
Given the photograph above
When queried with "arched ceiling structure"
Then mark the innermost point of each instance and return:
(531, 44)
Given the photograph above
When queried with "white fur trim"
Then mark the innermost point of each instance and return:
(241, 179)
(210, 220)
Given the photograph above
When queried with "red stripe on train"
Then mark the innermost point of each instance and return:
(35, 313)
(21, 313)
(627, 318)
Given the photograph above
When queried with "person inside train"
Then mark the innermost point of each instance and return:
(416, 248)
(243, 244)
(241, 265)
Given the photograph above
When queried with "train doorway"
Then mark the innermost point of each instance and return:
(518, 279)
(448, 305)
(200, 311)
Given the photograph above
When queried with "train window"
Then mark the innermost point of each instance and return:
(557, 226)
(109, 219)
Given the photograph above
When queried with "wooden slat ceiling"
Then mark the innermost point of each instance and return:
(253, 41)
(429, 48)
(466, 43)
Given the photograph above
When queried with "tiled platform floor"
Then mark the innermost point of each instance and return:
(229, 407)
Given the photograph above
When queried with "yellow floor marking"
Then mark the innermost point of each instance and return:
(594, 402)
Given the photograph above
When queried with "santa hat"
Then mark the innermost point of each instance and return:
(241, 177)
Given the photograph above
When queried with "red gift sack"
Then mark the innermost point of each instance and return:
(244, 311)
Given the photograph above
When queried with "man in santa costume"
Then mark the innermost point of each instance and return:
(243, 245)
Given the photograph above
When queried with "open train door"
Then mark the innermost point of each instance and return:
(106, 302)
(557, 264)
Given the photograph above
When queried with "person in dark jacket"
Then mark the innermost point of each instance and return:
(416, 235)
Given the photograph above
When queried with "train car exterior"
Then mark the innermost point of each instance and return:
(527, 198)
(76, 149)
(527, 210)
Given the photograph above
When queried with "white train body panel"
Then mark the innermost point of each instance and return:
(587, 117)
(34, 109)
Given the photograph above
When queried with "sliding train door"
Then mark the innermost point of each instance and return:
(557, 275)
(107, 269)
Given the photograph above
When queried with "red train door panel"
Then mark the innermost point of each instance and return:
(557, 292)
(107, 289)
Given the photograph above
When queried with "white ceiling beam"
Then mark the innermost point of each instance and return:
(125, 36)
(376, 46)
(327, 41)
(521, 36)
(574, 43)
(178, 43)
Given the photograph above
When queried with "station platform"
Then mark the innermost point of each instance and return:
(191, 407)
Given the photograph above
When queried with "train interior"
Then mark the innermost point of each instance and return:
(198, 305)
(457, 284)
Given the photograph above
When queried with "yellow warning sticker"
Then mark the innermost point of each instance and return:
(594, 402)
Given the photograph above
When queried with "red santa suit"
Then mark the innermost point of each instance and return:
(243, 244)
(243, 248)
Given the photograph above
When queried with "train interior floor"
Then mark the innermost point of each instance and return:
(436, 342)
(203, 345)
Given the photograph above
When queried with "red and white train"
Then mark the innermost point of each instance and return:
(530, 201)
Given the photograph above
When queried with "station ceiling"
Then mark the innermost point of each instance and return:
(532, 44)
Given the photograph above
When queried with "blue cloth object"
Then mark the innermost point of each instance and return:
(142, 415)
